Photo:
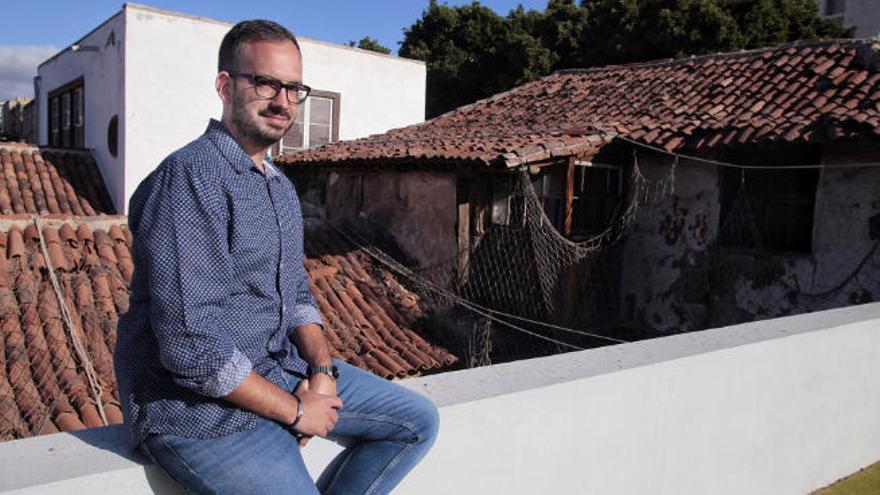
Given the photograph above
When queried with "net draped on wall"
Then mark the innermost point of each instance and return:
(523, 289)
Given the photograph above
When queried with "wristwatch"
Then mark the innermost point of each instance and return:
(328, 369)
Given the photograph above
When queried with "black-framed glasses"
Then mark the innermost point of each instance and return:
(268, 87)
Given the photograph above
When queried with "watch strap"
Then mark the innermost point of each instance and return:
(328, 369)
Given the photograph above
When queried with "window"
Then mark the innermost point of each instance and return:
(501, 199)
(55, 121)
(834, 8)
(67, 116)
(598, 191)
(316, 124)
(769, 208)
(508, 204)
(549, 187)
(78, 118)
(113, 135)
(65, 120)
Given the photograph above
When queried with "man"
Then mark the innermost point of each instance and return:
(223, 369)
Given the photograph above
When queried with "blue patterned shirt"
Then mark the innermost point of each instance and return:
(218, 289)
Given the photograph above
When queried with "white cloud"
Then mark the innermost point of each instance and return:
(18, 66)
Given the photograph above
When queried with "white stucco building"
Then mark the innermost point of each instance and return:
(141, 84)
(864, 15)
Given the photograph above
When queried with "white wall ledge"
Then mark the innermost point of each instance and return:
(778, 406)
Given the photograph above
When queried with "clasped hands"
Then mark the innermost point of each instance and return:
(321, 407)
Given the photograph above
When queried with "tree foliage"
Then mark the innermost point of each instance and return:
(367, 43)
(472, 53)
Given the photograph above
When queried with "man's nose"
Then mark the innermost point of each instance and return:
(281, 98)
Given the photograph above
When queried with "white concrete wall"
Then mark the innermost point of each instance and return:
(865, 16)
(170, 71)
(379, 92)
(777, 407)
(171, 64)
(104, 79)
(159, 74)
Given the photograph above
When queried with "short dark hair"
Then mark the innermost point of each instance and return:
(253, 30)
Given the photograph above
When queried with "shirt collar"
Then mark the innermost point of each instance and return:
(271, 171)
(234, 153)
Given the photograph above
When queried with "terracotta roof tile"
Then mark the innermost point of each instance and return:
(368, 314)
(44, 181)
(50, 389)
(701, 101)
(370, 318)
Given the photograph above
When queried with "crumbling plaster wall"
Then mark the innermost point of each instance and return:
(843, 267)
(665, 253)
(676, 279)
(417, 208)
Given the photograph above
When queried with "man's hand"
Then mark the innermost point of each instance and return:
(313, 348)
(320, 411)
(321, 384)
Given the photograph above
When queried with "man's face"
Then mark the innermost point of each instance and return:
(260, 121)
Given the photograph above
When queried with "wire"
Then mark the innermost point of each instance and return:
(482, 310)
(849, 277)
(749, 167)
(68, 320)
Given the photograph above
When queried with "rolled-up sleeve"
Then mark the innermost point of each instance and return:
(305, 308)
(183, 235)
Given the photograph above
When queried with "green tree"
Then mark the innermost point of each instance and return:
(560, 27)
(771, 22)
(367, 43)
(471, 53)
(623, 31)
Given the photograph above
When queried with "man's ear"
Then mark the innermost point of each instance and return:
(223, 83)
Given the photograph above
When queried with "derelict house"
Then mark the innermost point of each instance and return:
(703, 191)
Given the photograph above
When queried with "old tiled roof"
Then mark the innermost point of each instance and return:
(368, 314)
(801, 92)
(473, 147)
(45, 181)
(43, 387)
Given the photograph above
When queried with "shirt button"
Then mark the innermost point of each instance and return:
(281, 265)
(283, 308)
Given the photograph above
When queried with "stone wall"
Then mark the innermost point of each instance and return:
(417, 208)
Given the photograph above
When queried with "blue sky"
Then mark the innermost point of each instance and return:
(34, 30)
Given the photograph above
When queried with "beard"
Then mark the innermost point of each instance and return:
(252, 129)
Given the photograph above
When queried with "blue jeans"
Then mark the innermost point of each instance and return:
(386, 429)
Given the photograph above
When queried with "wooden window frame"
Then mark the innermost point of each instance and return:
(774, 205)
(279, 147)
(67, 127)
(573, 195)
(776, 236)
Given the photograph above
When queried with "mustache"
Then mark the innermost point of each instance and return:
(277, 111)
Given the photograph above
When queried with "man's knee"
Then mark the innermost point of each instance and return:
(426, 418)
